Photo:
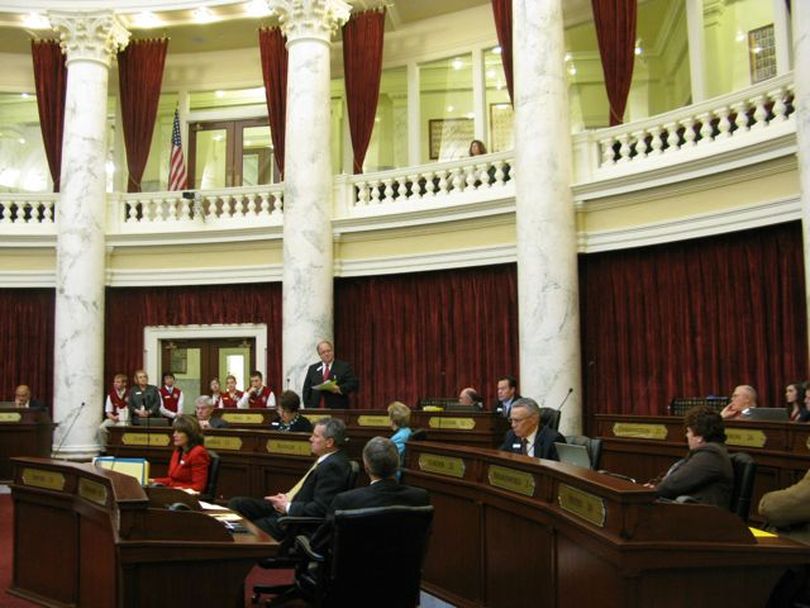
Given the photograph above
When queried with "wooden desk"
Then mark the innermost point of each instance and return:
(644, 446)
(23, 432)
(511, 531)
(93, 538)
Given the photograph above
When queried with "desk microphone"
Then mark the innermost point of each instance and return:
(562, 403)
(76, 413)
(287, 386)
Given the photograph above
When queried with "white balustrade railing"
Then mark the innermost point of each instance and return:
(33, 211)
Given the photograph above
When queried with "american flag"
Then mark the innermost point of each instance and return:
(177, 166)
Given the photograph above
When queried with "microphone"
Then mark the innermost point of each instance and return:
(76, 413)
(562, 403)
(287, 385)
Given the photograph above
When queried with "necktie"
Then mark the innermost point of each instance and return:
(524, 447)
(297, 487)
(322, 403)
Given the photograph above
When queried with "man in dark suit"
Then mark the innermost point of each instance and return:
(381, 462)
(528, 436)
(144, 399)
(339, 374)
(507, 395)
(22, 398)
(312, 495)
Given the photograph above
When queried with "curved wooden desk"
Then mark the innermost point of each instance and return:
(512, 531)
(23, 432)
(93, 538)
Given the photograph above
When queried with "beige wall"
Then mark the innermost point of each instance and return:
(210, 255)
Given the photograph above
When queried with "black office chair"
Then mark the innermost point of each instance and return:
(419, 435)
(375, 559)
(210, 492)
(593, 445)
(745, 470)
(550, 416)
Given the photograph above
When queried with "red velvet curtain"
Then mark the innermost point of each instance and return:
(273, 49)
(26, 341)
(362, 68)
(130, 309)
(502, 11)
(428, 334)
(616, 30)
(50, 81)
(140, 72)
(693, 319)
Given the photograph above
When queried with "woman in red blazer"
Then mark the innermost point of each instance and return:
(188, 468)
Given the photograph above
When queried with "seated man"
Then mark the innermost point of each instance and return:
(507, 395)
(470, 396)
(22, 398)
(743, 398)
(381, 463)
(312, 495)
(204, 407)
(527, 437)
(290, 418)
(788, 510)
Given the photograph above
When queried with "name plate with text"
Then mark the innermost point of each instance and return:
(313, 418)
(93, 491)
(449, 466)
(242, 418)
(223, 443)
(10, 416)
(444, 422)
(640, 430)
(749, 438)
(288, 447)
(47, 480)
(383, 421)
(582, 504)
(150, 439)
(520, 482)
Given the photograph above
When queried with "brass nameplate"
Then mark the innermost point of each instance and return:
(640, 430)
(582, 504)
(442, 465)
(47, 480)
(314, 418)
(384, 421)
(93, 491)
(150, 439)
(749, 438)
(10, 417)
(242, 418)
(223, 443)
(509, 479)
(442, 422)
(807, 443)
(288, 447)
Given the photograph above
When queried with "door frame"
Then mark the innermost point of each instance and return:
(154, 334)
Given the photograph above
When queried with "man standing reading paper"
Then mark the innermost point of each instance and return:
(328, 383)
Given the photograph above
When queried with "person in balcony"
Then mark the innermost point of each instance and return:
(477, 148)
(795, 402)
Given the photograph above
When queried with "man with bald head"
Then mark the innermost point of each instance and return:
(744, 397)
(22, 398)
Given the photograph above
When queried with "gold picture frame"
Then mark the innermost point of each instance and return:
(450, 137)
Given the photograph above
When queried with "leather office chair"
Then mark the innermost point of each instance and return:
(593, 445)
(550, 416)
(375, 559)
(745, 470)
(210, 492)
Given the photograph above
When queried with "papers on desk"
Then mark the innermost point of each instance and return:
(207, 506)
(227, 516)
(134, 467)
(761, 533)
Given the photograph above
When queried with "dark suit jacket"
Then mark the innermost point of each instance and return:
(36, 404)
(342, 373)
(300, 424)
(149, 398)
(499, 405)
(706, 474)
(543, 443)
(327, 480)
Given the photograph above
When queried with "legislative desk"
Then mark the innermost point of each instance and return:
(645, 446)
(23, 432)
(512, 531)
(93, 538)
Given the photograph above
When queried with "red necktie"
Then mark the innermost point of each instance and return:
(322, 404)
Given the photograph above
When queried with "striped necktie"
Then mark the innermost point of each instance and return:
(297, 487)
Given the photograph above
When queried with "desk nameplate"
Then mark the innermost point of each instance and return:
(748, 438)
(93, 491)
(242, 418)
(288, 447)
(314, 418)
(10, 416)
(582, 504)
(450, 466)
(381, 421)
(47, 480)
(149, 439)
(444, 422)
(223, 443)
(640, 430)
(520, 482)
(807, 443)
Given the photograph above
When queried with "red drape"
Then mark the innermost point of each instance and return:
(273, 49)
(502, 11)
(362, 69)
(692, 319)
(616, 30)
(130, 309)
(26, 341)
(50, 81)
(428, 334)
(140, 72)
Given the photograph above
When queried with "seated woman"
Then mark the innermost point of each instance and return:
(290, 418)
(188, 468)
(795, 402)
(400, 416)
(706, 473)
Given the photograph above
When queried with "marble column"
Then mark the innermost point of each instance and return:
(89, 41)
(307, 310)
(801, 66)
(548, 303)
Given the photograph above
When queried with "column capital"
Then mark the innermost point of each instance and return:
(317, 19)
(89, 36)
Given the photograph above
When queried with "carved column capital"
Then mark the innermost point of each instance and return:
(317, 19)
(89, 36)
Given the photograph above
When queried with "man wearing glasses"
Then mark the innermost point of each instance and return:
(527, 436)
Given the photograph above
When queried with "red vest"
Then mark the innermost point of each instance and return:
(170, 399)
(119, 403)
(227, 401)
(261, 400)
